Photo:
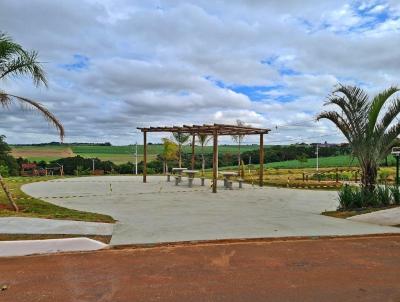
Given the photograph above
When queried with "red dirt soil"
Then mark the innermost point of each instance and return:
(341, 269)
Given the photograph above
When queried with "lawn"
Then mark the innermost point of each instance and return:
(32, 207)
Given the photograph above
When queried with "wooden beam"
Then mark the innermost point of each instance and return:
(193, 145)
(261, 180)
(144, 156)
(215, 160)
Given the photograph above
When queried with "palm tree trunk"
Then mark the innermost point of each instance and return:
(180, 156)
(203, 163)
(239, 157)
(369, 175)
(8, 194)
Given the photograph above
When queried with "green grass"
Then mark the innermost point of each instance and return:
(116, 154)
(324, 162)
(33, 207)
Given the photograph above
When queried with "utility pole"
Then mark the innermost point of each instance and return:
(93, 164)
(317, 157)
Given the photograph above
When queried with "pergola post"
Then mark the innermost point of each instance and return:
(144, 156)
(215, 160)
(193, 145)
(261, 180)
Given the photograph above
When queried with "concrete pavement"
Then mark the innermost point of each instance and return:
(159, 211)
(48, 246)
(384, 217)
(26, 225)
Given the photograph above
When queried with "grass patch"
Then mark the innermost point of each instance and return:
(14, 237)
(33, 207)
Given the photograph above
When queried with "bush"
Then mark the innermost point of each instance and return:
(346, 197)
(4, 171)
(356, 197)
(383, 196)
(395, 194)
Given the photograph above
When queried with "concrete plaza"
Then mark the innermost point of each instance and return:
(159, 211)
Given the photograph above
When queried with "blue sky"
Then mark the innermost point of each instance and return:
(118, 64)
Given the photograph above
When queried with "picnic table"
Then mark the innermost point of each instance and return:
(178, 170)
(178, 174)
(190, 174)
(227, 176)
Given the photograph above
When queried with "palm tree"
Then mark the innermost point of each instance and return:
(238, 138)
(15, 61)
(203, 141)
(370, 126)
(181, 139)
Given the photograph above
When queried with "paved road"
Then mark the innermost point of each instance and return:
(159, 211)
(352, 269)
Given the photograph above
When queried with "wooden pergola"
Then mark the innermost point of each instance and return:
(214, 130)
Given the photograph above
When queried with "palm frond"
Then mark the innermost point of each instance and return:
(377, 103)
(14, 60)
(391, 113)
(389, 139)
(340, 122)
(7, 99)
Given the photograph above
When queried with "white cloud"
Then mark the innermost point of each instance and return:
(152, 62)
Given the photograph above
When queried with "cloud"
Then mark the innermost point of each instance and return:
(115, 65)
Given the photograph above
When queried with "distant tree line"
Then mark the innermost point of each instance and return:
(64, 144)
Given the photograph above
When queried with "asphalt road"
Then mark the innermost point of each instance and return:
(341, 269)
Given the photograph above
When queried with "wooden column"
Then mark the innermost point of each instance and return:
(215, 160)
(261, 180)
(144, 156)
(193, 145)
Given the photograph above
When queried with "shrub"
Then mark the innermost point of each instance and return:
(395, 194)
(383, 196)
(346, 197)
(355, 197)
(4, 171)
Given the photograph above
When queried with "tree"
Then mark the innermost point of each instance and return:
(238, 138)
(181, 139)
(169, 152)
(15, 61)
(203, 141)
(370, 126)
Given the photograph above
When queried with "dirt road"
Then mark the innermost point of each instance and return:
(342, 269)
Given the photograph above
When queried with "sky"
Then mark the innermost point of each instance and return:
(116, 65)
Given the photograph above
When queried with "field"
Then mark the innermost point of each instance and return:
(123, 154)
(116, 154)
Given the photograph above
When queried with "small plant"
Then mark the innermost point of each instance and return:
(346, 197)
(395, 194)
(383, 196)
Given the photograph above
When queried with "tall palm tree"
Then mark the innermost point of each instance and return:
(370, 126)
(181, 139)
(15, 61)
(203, 141)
